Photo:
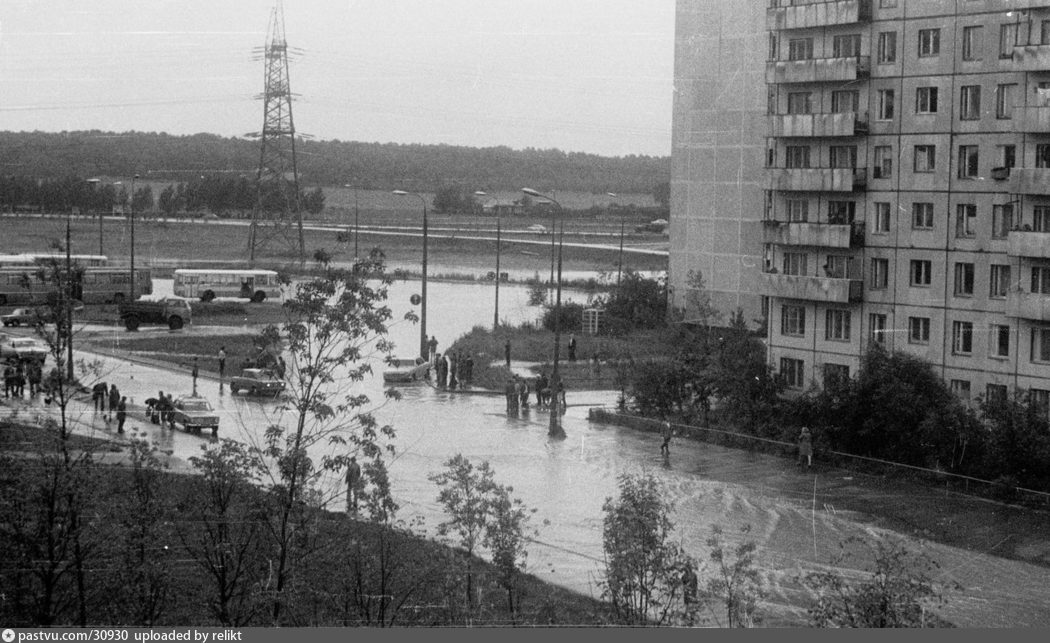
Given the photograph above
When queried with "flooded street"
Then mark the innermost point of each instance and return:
(797, 519)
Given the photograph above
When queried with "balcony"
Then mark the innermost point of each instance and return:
(821, 235)
(1033, 119)
(1029, 180)
(1026, 305)
(1032, 57)
(827, 289)
(824, 179)
(1025, 243)
(818, 125)
(818, 70)
(789, 14)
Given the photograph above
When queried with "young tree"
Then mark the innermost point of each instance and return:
(897, 593)
(642, 564)
(742, 379)
(736, 582)
(505, 537)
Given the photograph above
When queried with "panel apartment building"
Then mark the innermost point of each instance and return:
(905, 196)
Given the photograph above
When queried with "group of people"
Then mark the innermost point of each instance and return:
(113, 405)
(159, 409)
(517, 393)
(17, 373)
(453, 369)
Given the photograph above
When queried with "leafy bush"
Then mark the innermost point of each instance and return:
(570, 317)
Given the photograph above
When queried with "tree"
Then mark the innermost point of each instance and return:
(505, 538)
(742, 379)
(313, 201)
(642, 565)
(454, 199)
(639, 302)
(736, 582)
(168, 201)
(896, 594)
(662, 193)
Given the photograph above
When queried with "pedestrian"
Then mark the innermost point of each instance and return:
(20, 379)
(665, 447)
(122, 413)
(98, 396)
(222, 361)
(510, 390)
(9, 379)
(468, 369)
(36, 373)
(453, 365)
(572, 347)
(506, 351)
(442, 370)
(523, 393)
(114, 401)
(541, 387)
(805, 447)
(433, 346)
(194, 373)
(353, 485)
(281, 368)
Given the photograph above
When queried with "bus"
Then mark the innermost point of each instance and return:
(205, 284)
(29, 286)
(30, 259)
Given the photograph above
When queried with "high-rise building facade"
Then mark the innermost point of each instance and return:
(906, 198)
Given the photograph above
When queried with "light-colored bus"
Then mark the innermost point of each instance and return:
(91, 285)
(30, 259)
(204, 284)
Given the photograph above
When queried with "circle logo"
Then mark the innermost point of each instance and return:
(415, 299)
(9, 635)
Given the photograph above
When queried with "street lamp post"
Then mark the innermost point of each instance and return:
(619, 261)
(495, 312)
(69, 301)
(423, 350)
(132, 217)
(357, 225)
(555, 429)
(94, 184)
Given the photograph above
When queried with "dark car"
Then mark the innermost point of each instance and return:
(27, 317)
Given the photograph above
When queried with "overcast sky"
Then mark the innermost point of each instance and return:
(579, 75)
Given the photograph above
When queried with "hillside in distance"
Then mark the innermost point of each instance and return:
(160, 156)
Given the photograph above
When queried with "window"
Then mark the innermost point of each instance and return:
(837, 266)
(1041, 218)
(1042, 155)
(844, 101)
(836, 326)
(792, 371)
(971, 43)
(1000, 340)
(1039, 398)
(1004, 100)
(771, 100)
(877, 322)
(1041, 344)
(797, 210)
(883, 162)
(922, 216)
(843, 156)
(841, 212)
(969, 102)
(1006, 155)
(999, 282)
(797, 156)
(963, 279)
(835, 374)
(929, 42)
(880, 223)
(995, 393)
(1002, 220)
(887, 47)
(968, 161)
(925, 158)
(962, 337)
(800, 102)
(793, 321)
(1041, 280)
(845, 46)
(1044, 32)
(961, 388)
(884, 105)
(774, 53)
(919, 330)
(880, 273)
(1007, 39)
(925, 100)
(800, 48)
(921, 271)
(794, 263)
(886, 4)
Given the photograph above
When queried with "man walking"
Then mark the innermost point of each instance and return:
(506, 352)
(353, 485)
(572, 347)
(665, 448)
(222, 362)
(433, 346)
(195, 372)
(122, 413)
(805, 447)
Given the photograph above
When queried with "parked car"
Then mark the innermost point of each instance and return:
(536, 227)
(194, 414)
(406, 370)
(257, 381)
(27, 316)
(656, 225)
(22, 348)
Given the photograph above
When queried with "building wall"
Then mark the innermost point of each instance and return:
(718, 134)
(732, 230)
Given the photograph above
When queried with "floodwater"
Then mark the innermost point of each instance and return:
(797, 519)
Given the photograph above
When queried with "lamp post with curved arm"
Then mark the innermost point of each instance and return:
(132, 217)
(423, 350)
(357, 225)
(495, 313)
(619, 261)
(555, 429)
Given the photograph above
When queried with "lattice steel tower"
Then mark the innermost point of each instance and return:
(277, 217)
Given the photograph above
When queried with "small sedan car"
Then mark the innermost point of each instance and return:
(22, 348)
(406, 370)
(194, 414)
(27, 317)
(257, 381)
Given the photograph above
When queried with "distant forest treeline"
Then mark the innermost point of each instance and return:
(326, 163)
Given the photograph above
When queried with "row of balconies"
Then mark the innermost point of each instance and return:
(805, 233)
(793, 14)
(818, 70)
(818, 125)
(816, 179)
